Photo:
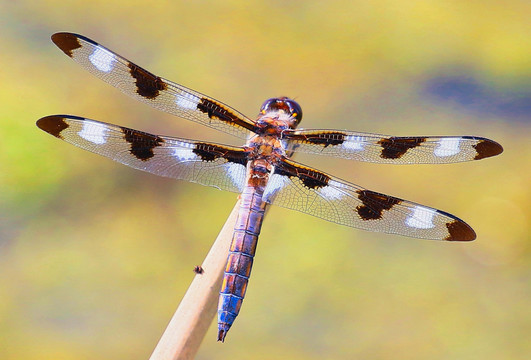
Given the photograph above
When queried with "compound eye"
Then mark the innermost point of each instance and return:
(295, 109)
(268, 105)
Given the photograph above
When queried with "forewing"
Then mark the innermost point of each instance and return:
(392, 149)
(311, 191)
(210, 164)
(153, 90)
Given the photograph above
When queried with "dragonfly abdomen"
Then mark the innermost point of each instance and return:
(240, 259)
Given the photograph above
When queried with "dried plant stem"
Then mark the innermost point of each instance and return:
(189, 324)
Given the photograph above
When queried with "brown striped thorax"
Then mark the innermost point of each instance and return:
(261, 170)
(276, 116)
(265, 147)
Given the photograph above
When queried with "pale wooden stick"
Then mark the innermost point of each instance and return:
(189, 324)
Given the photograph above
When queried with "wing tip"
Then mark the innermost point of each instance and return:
(486, 148)
(53, 125)
(459, 230)
(67, 42)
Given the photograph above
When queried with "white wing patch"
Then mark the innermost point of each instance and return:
(184, 154)
(236, 173)
(275, 183)
(102, 59)
(187, 101)
(447, 147)
(93, 132)
(332, 191)
(353, 142)
(421, 218)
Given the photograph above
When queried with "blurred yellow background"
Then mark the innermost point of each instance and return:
(95, 257)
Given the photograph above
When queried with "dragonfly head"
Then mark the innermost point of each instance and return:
(284, 104)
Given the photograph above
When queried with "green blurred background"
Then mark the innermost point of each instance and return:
(95, 257)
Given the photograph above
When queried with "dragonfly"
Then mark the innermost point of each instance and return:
(262, 171)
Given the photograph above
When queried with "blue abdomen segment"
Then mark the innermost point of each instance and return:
(240, 259)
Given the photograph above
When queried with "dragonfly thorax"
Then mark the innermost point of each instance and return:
(265, 147)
